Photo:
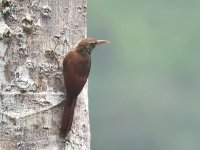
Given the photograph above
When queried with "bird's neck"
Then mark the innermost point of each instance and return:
(84, 51)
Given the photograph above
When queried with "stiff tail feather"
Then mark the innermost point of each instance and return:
(67, 117)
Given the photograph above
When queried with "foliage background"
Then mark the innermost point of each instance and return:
(144, 87)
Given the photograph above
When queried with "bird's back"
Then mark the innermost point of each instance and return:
(76, 69)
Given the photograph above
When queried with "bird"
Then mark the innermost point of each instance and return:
(76, 69)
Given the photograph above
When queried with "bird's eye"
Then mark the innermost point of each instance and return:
(93, 43)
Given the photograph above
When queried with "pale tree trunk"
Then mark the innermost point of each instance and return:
(34, 37)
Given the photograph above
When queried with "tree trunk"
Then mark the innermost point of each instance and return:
(34, 37)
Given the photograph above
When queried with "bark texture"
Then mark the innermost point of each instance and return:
(34, 37)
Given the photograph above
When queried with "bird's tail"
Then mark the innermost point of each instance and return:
(67, 117)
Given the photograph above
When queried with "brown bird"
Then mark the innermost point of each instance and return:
(76, 69)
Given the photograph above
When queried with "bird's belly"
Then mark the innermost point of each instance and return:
(75, 84)
(79, 81)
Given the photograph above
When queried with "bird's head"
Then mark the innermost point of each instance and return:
(86, 46)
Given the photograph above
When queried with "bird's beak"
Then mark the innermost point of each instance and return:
(102, 42)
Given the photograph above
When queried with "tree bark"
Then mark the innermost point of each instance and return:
(34, 37)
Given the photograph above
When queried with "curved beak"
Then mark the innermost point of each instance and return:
(102, 42)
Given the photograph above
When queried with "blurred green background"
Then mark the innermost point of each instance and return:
(144, 87)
